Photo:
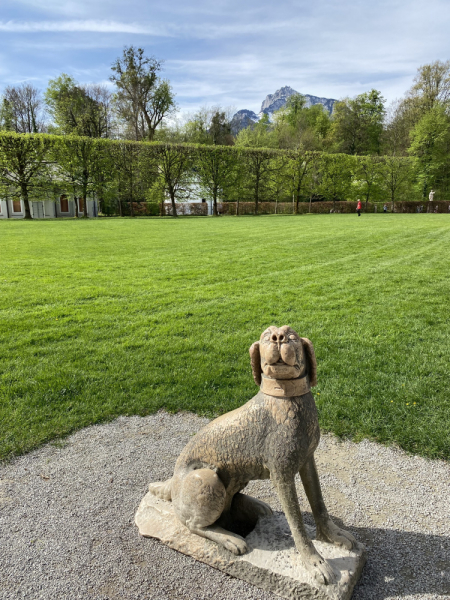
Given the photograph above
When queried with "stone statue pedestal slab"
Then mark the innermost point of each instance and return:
(272, 562)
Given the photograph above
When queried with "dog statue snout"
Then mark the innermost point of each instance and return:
(272, 353)
(278, 338)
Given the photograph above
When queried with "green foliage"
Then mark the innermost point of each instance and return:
(430, 145)
(6, 116)
(131, 177)
(83, 165)
(431, 86)
(302, 172)
(297, 126)
(217, 171)
(396, 177)
(23, 166)
(259, 166)
(120, 173)
(173, 165)
(78, 110)
(260, 135)
(110, 317)
(358, 123)
(335, 176)
(367, 176)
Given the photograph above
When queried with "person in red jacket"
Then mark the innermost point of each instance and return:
(358, 207)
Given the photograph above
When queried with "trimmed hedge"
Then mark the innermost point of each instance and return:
(133, 178)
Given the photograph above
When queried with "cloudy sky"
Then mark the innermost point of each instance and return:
(228, 52)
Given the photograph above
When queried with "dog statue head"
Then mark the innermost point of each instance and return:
(283, 363)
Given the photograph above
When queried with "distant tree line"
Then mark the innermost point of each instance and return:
(301, 152)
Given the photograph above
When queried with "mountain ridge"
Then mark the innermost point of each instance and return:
(273, 102)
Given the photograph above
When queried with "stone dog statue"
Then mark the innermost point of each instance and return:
(274, 435)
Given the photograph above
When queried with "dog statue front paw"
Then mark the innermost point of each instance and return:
(318, 567)
(331, 533)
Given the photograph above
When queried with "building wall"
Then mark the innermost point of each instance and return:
(45, 209)
(12, 209)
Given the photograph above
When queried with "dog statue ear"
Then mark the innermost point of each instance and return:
(255, 359)
(310, 354)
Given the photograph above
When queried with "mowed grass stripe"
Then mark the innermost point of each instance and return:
(108, 317)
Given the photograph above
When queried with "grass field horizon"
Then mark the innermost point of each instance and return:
(109, 317)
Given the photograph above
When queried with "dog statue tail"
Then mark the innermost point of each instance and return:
(162, 489)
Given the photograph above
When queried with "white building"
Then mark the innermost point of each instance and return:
(48, 209)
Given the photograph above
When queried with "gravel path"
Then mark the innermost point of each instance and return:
(67, 531)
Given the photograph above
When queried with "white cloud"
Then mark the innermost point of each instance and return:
(230, 52)
(78, 26)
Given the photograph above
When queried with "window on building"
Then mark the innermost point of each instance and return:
(17, 206)
(81, 204)
(64, 203)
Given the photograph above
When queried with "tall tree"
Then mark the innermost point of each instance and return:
(335, 176)
(22, 109)
(431, 85)
(301, 165)
(23, 164)
(220, 129)
(142, 100)
(126, 162)
(81, 161)
(216, 170)
(395, 137)
(358, 123)
(79, 110)
(367, 173)
(396, 174)
(430, 145)
(431, 88)
(258, 165)
(173, 165)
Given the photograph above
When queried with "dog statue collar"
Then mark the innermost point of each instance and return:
(285, 388)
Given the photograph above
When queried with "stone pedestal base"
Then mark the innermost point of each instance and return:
(272, 562)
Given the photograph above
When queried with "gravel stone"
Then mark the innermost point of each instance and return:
(67, 518)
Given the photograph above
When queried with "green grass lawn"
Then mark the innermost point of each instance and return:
(107, 317)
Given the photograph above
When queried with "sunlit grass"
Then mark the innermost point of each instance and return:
(108, 317)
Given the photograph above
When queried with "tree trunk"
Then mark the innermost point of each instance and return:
(76, 206)
(237, 207)
(172, 199)
(85, 185)
(310, 203)
(56, 210)
(215, 204)
(256, 196)
(131, 193)
(162, 212)
(26, 202)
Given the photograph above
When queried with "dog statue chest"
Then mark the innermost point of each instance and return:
(293, 429)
